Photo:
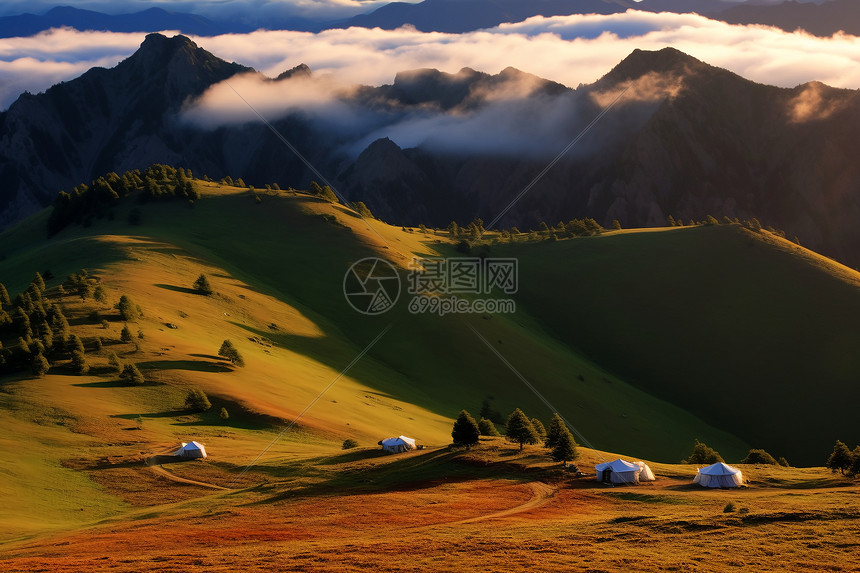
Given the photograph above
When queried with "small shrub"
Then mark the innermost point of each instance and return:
(759, 457)
(79, 363)
(131, 375)
(224, 414)
(487, 427)
(704, 455)
(197, 401)
(729, 508)
(125, 334)
(349, 443)
(202, 286)
(230, 352)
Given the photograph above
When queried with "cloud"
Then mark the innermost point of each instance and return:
(567, 49)
(813, 104)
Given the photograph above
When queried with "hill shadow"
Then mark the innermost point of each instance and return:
(175, 288)
(165, 414)
(209, 356)
(195, 365)
(103, 384)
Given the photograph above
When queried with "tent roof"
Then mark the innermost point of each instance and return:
(618, 465)
(398, 440)
(719, 469)
(192, 445)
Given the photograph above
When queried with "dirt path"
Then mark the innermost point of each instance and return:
(153, 465)
(541, 493)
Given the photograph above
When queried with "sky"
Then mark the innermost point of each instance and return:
(252, 11)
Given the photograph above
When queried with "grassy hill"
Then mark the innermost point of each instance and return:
(748, 331)
(626, 335)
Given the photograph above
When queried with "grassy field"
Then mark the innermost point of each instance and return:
(631, 368)
(493, 508)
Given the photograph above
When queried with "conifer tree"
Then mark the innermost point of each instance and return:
(565, 447)
(519, 429)
(840, 458)
(487, 427)
(556, 427)
(465, 431)
(230, 352)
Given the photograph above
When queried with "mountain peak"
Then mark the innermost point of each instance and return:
(641, 62)
(159, 42)
(300, 71)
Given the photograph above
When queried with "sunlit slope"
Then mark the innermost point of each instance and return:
(278, 269)
(745, 330)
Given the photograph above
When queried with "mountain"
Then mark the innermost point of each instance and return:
(104, 120)
(824, 19)
(686, 140)
(149, 20)
(457, 16)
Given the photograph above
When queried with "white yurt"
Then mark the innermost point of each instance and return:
(618, 471)
(719, 475)
(191, 450)
(398, 444)
(645, 473)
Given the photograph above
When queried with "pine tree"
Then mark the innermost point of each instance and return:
(128, 311)
(125, 334)
(840, 459)
(487, 427)
(22, 323)
(565, 447)
(74, 344)
(79, 363)
(854, 470)
(202, 286)
(196, 400)
(465, 431)
(539, 428)
(5, 301)
(519, 429)
(40, 365)
(115, 364)
(131, 375)
(224, 414)
(556, 427)
(229, 352)
(39, 282)
(100, 294)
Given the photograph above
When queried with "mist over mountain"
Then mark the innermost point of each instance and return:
(686, 139)
(457, 16)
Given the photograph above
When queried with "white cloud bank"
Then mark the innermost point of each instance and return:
(568, 49)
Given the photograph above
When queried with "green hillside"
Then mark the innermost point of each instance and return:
(746, 330)
(625, 334)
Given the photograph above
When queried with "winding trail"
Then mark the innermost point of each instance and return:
(541, 493)
(156, 468)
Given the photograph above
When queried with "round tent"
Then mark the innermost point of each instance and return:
(618, 471)
(719, 475)
(645, 473)
(191, 450)
(398, 444)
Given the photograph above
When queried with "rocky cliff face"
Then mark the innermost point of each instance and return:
(105, 120)
(686, 139)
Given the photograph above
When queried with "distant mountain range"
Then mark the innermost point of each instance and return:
(687, 140)
(453, 16)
